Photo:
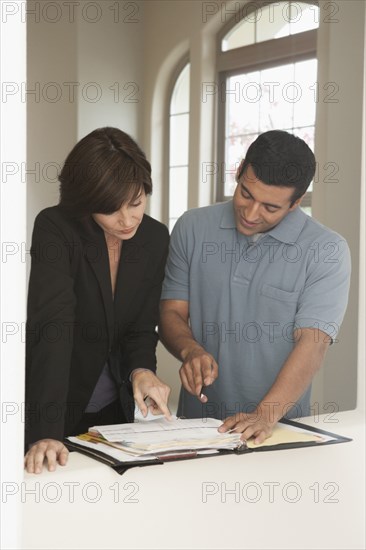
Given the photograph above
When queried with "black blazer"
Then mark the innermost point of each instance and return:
(73, 323)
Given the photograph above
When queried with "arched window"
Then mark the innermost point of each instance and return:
(178, 145)
(267, 80)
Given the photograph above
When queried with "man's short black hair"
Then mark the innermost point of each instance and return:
(280, 158)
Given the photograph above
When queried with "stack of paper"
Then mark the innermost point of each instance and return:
(156, 441)
(161, 436)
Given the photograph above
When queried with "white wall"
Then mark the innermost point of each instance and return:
(12, 270)
(361, 385)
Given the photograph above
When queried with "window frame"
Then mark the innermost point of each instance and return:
(178, 69)
(261, 55)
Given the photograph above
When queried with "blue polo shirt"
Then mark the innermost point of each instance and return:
(247, 296)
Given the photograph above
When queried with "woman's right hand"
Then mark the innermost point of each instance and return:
(51, 449)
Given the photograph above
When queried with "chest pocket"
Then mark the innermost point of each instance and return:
(278, 294)
(278, 310)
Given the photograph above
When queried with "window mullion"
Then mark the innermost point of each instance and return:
(282, 50)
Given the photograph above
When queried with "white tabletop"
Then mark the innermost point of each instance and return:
(310, 498)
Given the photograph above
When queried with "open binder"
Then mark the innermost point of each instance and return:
(288, 434)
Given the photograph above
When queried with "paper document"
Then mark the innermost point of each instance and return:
(162, 435)
(200, 426)
(290, 434)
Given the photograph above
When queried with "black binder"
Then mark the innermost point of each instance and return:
(121, 467)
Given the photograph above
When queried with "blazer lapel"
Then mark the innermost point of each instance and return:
(96, 253)
(132, 268)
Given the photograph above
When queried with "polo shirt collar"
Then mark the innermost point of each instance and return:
(287, 231)
(227, 217)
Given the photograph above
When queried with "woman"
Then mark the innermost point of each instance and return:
(97, 269)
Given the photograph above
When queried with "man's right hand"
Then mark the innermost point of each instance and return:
(199, 369)
(55, 451)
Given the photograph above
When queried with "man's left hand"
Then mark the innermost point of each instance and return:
(253, 425)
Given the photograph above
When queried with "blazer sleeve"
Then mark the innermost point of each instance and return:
(50, 317)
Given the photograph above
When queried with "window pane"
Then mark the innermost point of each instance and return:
(307, 134)
(178, 152)
(235, 151)
(242, 34)
(242, 96)
(277, 103)
(180, 97)
(178, 193)
(278, 98)
(178, 147)
(306, 209)
(273, 22)
(305, 107)
(281, 94)
(303, 17)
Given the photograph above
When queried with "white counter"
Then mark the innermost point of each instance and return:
(310, 498)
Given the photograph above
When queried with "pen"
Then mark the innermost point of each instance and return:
(201, 391)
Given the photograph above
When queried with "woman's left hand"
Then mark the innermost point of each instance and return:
(146, 384)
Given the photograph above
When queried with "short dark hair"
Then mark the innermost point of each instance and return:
(280, 158)
(105, 169)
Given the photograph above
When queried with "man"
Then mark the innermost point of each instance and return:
(254, 292)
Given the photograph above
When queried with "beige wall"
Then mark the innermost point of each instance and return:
(109, 54)
(51, 115)
(337, 205)
(145, 53)
(97, 71)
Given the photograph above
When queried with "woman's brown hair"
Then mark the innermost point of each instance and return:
(104, 170)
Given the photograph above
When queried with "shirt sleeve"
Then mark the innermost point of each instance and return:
(323, 302)
(176, 282)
